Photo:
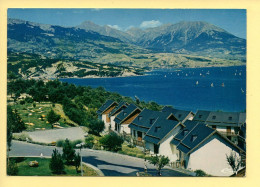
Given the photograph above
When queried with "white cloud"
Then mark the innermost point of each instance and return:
(115, 27)
(149, 24)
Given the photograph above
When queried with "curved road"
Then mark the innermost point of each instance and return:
(111, 164)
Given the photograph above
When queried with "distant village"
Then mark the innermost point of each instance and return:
(191, 141)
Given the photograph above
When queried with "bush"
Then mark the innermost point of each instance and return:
(22, 137)
(28, 100)
(56, 163)
(75, 142)
(12, 168)
(22, 102)
(112, 141)
(60, 143)
(89, 141)
(96, 127)
(200, 173)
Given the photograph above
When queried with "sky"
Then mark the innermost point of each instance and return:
(232, 20)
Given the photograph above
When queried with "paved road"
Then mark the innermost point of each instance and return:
(52, 135)
(111, 164)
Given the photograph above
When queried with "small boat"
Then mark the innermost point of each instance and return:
(240, 73)
(212, 85)
(207, 73)
(200, 74)
(197, 82)
(242, 90)
(178, 74)
(223, 85)
(186, 74)
(235, 74)
(165, 76)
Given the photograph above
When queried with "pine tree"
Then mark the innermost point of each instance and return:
(56, 164)
(68, 152)
(77, 162)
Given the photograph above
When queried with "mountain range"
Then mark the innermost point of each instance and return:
(168, 44)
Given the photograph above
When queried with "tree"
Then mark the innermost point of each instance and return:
(77, 162)
(159, 162)
(68, 152)
(96, 126)
(112, 141)
(234, 161)
(56, 164)
(52, 117)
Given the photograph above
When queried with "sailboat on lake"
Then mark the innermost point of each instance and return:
(212, 85)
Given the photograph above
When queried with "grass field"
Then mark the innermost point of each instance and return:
(43, 169)
(35, 117)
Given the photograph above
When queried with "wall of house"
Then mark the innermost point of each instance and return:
(150, 146)
(104, 118)
(211, 157)
(125, 128)
(112, 118)
(166, 148)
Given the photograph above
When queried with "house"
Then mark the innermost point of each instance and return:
(104, 110)
(158, 137)
(122, 105)
(142, 123)
(181, 115)
(229, 124)
(204, 148)
(125, 117)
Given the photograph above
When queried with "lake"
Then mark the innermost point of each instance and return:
(213, 88)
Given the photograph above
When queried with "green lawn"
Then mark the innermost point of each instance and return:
(32, 115)
(43, 169)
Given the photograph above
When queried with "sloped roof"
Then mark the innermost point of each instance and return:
(160, 128)
(201, 115)
(221, 118)
(194, 136)
(125, 113)
(105, 106)
(118, 107)
(179, 114)
(144, 120)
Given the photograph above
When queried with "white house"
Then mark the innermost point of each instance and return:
(104, 110)
(201, 147)
(122, 105)
(158, 137)
(125, 117)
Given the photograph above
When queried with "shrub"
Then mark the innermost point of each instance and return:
(96, 126)
(28, 100)
(12, 168)
(22, 102)
(200, 173)
(89, 141)
(112, 141)
(52, 117)
(75, 142)
(77, 162)
(56, 164)
(22, 137)
(60, 143)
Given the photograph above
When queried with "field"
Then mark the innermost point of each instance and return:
(43, 169)
(35, 117)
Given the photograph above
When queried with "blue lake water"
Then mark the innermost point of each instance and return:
(214, 88)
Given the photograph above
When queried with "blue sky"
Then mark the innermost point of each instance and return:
(232, 20)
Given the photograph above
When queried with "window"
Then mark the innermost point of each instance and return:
(230, 118)
(193, 137)
(179, 116)
(213, 117)
(124, 113)
(140, 118)
(151, 121)
(184, 132)
(214, 127)
(157, 128)
(134, 133)
(228, 129)
(200, 116)
(156, 148)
